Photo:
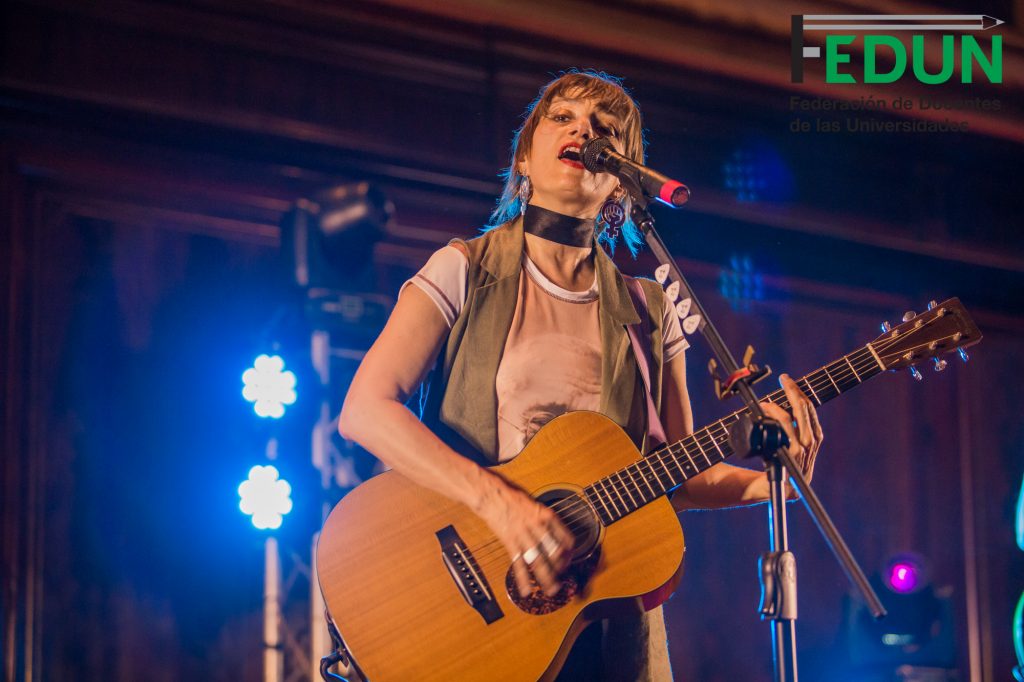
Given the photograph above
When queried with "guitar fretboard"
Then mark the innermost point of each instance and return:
(664, 469)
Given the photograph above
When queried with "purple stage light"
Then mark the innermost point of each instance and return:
(903, 577)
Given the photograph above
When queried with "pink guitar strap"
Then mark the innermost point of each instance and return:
(640, 338)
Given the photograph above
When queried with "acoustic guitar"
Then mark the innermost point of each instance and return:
(421, 589)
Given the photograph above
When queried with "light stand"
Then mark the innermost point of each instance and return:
(757, 435)
(328, 242)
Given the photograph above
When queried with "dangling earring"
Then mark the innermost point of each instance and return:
(525, 192)
(612, 216)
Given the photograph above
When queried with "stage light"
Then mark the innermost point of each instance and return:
(265, 497)
(1019, 523)
(741, 283)
(918, 631)
(269, 386)
(905, 573)
(328, 239)
(756, 171)
(903, 577)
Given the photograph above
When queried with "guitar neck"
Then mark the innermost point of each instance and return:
(666, 468)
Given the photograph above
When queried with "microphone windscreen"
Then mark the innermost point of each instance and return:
(589, 152)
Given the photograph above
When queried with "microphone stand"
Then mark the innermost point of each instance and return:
(758, 435)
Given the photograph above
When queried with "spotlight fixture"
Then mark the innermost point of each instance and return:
(328, 238)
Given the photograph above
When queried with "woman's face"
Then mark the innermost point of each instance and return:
(563, 184)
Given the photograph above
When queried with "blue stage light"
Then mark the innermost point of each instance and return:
(269, 386)
(266, 497)
(757, 172)
(741, 283)
(1019, 524)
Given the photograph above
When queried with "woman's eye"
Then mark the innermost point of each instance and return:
(561, 118)
(607, 131)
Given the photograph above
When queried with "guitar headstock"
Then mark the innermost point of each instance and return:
(943, 328)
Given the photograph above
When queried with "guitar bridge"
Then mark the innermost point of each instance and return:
(468, 577)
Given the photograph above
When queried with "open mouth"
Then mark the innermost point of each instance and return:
(570, 153)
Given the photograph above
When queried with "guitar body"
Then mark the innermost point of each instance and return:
(421, 589)
(400, 608)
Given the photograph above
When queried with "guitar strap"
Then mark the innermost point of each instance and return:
(640, 338)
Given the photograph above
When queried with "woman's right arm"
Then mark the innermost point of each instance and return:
(375, 416)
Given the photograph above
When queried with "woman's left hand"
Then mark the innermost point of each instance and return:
(805, 437)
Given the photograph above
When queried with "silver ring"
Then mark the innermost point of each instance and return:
(549, 544)
(530, 555)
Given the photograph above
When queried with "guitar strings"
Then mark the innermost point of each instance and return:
(572, 509)
(577, 506)
(487, 561)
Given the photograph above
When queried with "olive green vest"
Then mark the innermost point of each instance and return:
(460, 402)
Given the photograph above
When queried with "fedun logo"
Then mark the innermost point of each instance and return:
(837, 55)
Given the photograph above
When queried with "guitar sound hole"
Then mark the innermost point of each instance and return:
(581, 519)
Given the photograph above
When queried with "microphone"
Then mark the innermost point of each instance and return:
(599, 156)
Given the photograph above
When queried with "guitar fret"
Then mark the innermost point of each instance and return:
(845, 379)
(611, 498)
(706, 458)
(777, 398)
(646, 480)
(825, 369)
(675, 461)
(625, 486)
(810, 387)
(715, 440)
(689, 460)
(852, 369)
(615, 489)
(664, 467)
(726, 441)
(597, 495)
(653, 470)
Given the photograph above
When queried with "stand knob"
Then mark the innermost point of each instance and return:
(963, 355)
(916, 374)
(939, 364)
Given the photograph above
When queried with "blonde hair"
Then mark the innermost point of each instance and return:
(575, 84)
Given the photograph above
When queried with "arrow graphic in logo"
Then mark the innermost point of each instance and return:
(875, 22)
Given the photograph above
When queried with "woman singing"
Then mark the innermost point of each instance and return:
(527, 322)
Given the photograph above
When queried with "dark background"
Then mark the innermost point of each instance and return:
(148, 150)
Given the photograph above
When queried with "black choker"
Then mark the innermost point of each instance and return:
(557, 227)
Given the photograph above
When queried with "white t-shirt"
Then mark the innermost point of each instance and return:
(551, 363)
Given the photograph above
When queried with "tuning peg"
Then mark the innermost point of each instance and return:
(886, 327)
(939, 364)
(963, 355)
(661, 273)
(916, 374)
(909, 315)
(931, 305)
